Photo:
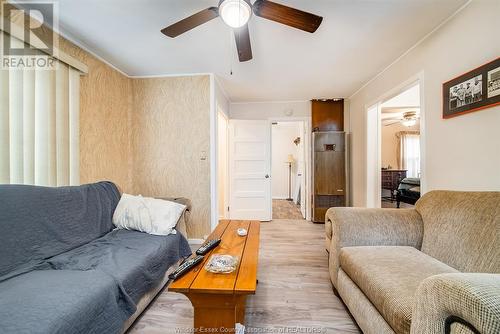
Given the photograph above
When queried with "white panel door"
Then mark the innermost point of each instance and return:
(250, 170)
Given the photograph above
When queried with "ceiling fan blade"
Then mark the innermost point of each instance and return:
(396, 118)
(287, 15)
(191, 22)
(243, 45)
(390, 122)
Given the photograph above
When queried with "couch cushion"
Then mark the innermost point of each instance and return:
(40, 222)
(389, 277)
(461, 229)
(61, 302)
(138, 261)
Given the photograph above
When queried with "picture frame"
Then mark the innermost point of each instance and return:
(472, 91)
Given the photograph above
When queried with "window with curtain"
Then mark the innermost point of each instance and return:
(409, 152)
(39, 125)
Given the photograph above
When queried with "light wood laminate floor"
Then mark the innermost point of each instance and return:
(294, 288)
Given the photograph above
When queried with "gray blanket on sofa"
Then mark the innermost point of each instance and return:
(40, 222)
(63, 269)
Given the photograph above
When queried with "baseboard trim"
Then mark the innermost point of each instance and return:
(196, 241)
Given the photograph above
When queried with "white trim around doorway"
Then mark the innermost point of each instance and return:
(307, 157)
(373, 148)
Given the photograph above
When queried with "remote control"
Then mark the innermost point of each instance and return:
(210, 244)
(185, 267)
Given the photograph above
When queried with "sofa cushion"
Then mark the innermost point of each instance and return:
(136, 260)
(41, 222)
(461, 229)
(61, 302)
(389, 277)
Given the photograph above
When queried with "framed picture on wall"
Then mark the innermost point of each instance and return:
(475, 90)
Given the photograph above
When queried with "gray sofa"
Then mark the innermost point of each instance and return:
(65, 269)
(429, 270)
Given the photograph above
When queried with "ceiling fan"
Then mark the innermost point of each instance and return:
(408, 118)
(236, 13)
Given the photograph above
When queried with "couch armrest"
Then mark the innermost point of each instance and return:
(469, 299)
(371, 227)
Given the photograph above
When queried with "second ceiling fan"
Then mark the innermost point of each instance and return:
(236, 13)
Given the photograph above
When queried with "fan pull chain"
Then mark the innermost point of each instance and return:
(239, 20)
(231, 38)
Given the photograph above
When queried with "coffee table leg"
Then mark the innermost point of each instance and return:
(217, 313)
(240, 310)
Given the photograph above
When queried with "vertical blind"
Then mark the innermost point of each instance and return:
(39, 125)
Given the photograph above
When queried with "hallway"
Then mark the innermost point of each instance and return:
(283, 209)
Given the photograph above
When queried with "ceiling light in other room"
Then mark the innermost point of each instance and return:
(409, 122)
(235, 13)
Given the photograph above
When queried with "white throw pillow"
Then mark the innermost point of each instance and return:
(146, 214)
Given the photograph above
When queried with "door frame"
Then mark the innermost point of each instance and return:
(221, 113)
(374, 147)
(307, 158)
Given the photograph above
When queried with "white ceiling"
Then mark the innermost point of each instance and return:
(397, 106)
(357, 39)
(409, 98)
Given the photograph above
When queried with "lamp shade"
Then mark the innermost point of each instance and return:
(290, 158)
(409, 122)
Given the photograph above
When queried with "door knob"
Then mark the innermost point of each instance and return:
(267, 176)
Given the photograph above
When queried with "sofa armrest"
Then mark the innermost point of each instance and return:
(371, 227)
(471, 300)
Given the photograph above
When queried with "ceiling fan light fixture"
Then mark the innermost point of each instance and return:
(409, 122)
(235, 13)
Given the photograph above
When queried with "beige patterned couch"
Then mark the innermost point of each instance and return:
(432, 269)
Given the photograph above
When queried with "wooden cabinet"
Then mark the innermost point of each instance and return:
(391, 179)
(329, 157)
(327, 115)
(329, 172)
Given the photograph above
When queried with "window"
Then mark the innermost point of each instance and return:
(39, 125)
(409, 153)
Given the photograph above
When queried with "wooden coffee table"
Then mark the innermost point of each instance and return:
(219, 299)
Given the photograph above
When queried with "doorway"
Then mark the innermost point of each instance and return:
(395, 150)
(266, 164)
(288, 170)
(400, 149)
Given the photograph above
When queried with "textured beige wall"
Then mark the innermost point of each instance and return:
(105, 111)
(146, 135)
(170, 131)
